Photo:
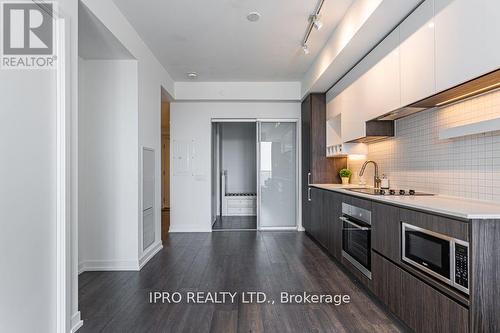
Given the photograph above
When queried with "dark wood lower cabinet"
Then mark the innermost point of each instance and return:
(325, 226)
(316, 205)
(333, 212)
(420, 306)
(386, 230)
(443, 225)
(319, 219)
(424, 303)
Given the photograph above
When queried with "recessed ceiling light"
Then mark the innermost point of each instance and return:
(253, 16)
(192, 75)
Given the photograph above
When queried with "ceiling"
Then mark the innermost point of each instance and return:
(214, 38)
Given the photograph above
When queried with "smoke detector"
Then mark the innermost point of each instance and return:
(253, 16)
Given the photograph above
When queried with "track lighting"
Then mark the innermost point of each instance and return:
(305, 48)
(314, 22)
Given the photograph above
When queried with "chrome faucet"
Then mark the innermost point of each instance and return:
(376, 178)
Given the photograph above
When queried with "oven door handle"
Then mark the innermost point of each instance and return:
(357, 226)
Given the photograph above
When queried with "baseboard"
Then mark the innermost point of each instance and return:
(278, 229)
(81, 267)
(150, 253)
(108, 265)
(173, 230)
(301, 229)
(119, 265)
(76, 322)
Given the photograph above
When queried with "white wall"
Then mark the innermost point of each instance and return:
(28, 197)
(191, 122)
(27, 201)
(108, 164)
(239, 157)
(151, 77)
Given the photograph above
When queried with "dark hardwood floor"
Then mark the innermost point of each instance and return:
(230, 261)
(235, 222)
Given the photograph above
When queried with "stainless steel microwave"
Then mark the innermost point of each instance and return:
(441, 256)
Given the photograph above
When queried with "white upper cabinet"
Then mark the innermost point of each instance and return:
(352, 122)
(467, 40)
(443, 43)
(333, 121)
(380, 85)
(375, 92)
(417, 53)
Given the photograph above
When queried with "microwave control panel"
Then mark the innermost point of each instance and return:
(461, 266)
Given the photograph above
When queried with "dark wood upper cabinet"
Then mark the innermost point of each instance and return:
(306, 163)
(316, 167)
(314, 160)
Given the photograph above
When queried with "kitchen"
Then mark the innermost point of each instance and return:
(412, 128)
(251, 166)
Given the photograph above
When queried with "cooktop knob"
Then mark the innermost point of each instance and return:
(392, 192)
(412, 192)
(402, 192)
(382, 192)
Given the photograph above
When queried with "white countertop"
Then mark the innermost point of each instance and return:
(452, 206)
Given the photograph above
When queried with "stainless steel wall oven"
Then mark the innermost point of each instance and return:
(356, 237)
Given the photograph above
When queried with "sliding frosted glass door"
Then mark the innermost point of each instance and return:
(277, 174)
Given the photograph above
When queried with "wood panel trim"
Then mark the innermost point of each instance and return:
(485, 276)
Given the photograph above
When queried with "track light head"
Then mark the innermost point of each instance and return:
(305, 49)
(316, 20)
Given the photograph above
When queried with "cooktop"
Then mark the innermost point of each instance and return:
(390, 192)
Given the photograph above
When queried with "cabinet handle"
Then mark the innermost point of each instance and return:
(308, 179)
(309, 194)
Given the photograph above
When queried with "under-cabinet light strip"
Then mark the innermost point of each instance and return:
(472, 93)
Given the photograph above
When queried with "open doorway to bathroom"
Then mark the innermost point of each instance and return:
(234, 176)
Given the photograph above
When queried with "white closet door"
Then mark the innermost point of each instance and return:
(277, 174)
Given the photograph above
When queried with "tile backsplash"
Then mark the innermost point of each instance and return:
(416, 158)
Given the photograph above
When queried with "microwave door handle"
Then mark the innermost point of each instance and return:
(357, 226)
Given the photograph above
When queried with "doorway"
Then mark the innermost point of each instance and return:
(165, 167)
(234, 165)
(254, 175)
